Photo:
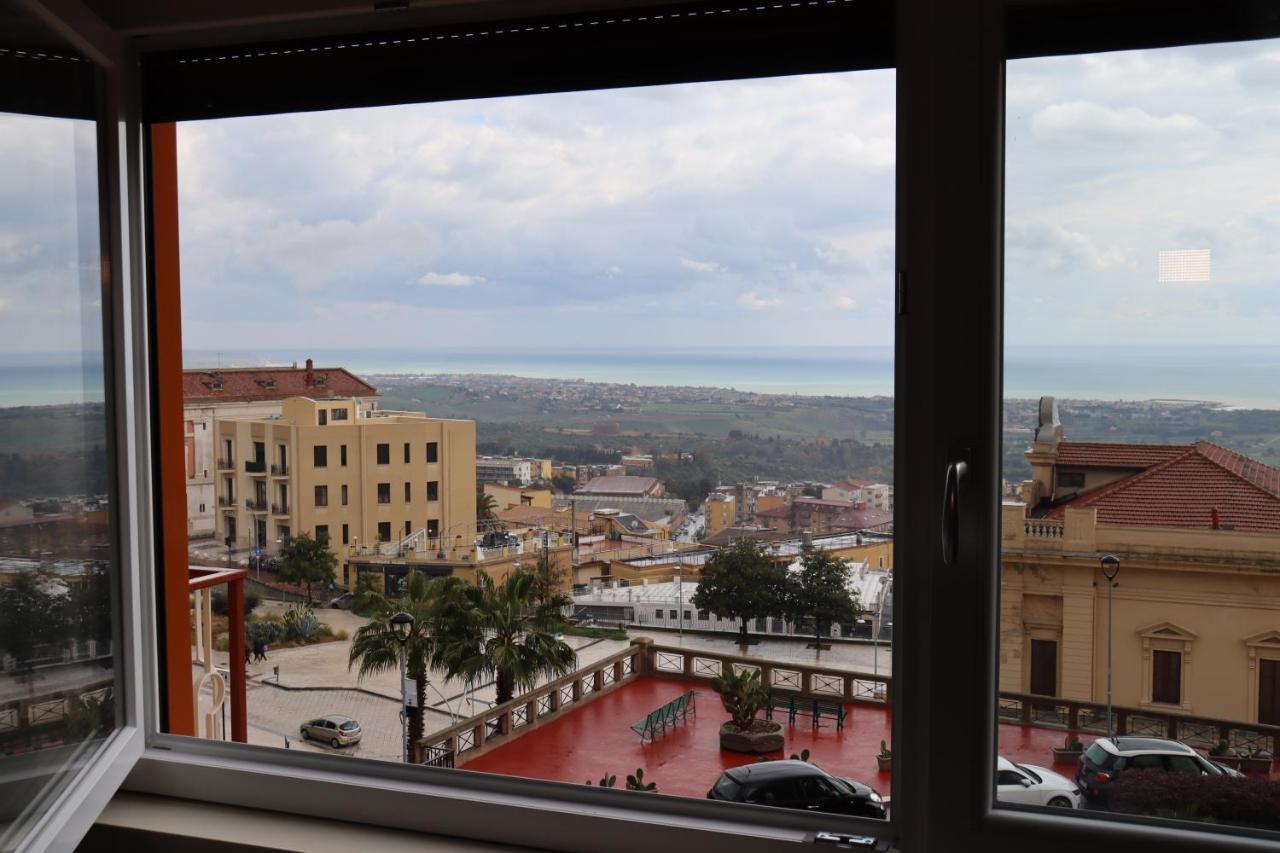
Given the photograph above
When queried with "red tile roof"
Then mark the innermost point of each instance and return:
(1084, 454)
(862, 519)
(819, 503)
(246, 384)
(783, 511)
(1184, 491)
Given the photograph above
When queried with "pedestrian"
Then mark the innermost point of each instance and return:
(248, 654)
(262, 651)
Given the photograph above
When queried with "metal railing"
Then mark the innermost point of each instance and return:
(255, 505)
(1071, 715)
(226, 465)
(279, 470)
(226, 500)
(280, 509)
(500, 724)
(255, 467)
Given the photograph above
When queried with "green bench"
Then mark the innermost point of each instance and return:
(783, 703)
(668, 715)
(814, 708)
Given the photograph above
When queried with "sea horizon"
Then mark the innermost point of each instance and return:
(1231, 376)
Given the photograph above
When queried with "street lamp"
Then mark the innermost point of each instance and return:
(1110, 568)
(402, 624)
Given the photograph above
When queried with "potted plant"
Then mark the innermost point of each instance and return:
(1225, 755)
(743, 696)
(1255, 761)
(885, 758)
(1069, 752)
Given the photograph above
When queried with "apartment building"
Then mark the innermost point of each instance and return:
(247, 392)
(333, 468)
(875, 495)
(720, 512)
(1196, 613)
(511, 470)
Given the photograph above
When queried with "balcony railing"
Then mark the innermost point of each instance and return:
(279, 470)
(226, 501)
(1043, 528)
(255, 505)
(255, 467)
(1070, 715)
(280, 509)
(226, 465)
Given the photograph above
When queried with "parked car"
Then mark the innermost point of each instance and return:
(1107, 758)
(334, 729)
(797, 785)
(1031, 785)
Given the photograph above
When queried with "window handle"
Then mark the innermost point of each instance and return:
(957, 471)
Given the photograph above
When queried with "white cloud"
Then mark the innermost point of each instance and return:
(758, 303)
(449, 279)
(1087, 122)
(846, 303)
(700, 266)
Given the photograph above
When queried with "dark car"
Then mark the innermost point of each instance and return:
(1107, 758)
(797, 785)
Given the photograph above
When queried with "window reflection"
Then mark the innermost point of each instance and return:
(57, 672)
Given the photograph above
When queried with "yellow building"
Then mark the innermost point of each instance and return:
(334, 468)
(506, 497)
(721, 512)
(1196, 612)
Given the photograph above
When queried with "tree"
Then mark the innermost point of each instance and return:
(564, 484)
(486, 505)
(376, 646)
(742, 582)
(306, 561)
(30, 616)
(820, 592)
(502, 631)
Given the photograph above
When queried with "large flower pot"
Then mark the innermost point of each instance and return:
(1256, 765)
(760, 737)
(1067, 756)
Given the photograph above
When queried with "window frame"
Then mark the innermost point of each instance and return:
(949, 64)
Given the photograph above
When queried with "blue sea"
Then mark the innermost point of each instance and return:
(1244, 377)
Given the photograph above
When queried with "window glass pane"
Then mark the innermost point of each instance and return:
(693, 386)
(58, 575)
(1141, 516)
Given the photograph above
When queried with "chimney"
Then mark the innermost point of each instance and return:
(311, 374)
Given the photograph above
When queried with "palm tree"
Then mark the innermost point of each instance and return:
(376, 646)
(486, 505)
(504, 632)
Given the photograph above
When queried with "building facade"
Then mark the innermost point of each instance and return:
(256, 392)
(334, 469)
(1195, 621)
(720, 512)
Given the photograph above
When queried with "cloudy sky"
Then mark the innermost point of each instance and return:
(743, 213)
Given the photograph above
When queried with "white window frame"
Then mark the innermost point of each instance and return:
(949, 238)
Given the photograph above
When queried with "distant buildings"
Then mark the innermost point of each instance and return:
(720, 512)
(512, 470)
(819, 515)
(508, 496)
(623, 487)
(637, 462)
(335, 469)
(874, 495)
(247, 392)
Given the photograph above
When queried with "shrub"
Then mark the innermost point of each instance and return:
(742, 695)
(219, 603)
(1248, 801)
(269, 630)
(301, 623)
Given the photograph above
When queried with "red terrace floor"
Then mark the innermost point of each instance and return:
(596, 739)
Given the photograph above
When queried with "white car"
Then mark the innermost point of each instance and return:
(1030, 785)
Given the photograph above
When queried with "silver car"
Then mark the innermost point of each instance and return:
(334, 729)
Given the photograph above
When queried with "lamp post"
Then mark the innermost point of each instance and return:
(1110, 568)
(402, 623)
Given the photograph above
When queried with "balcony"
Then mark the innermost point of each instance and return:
(255, 467)
(226, 465)
(279, 470)
(280, 509)
(255, 505)
(227, 501)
